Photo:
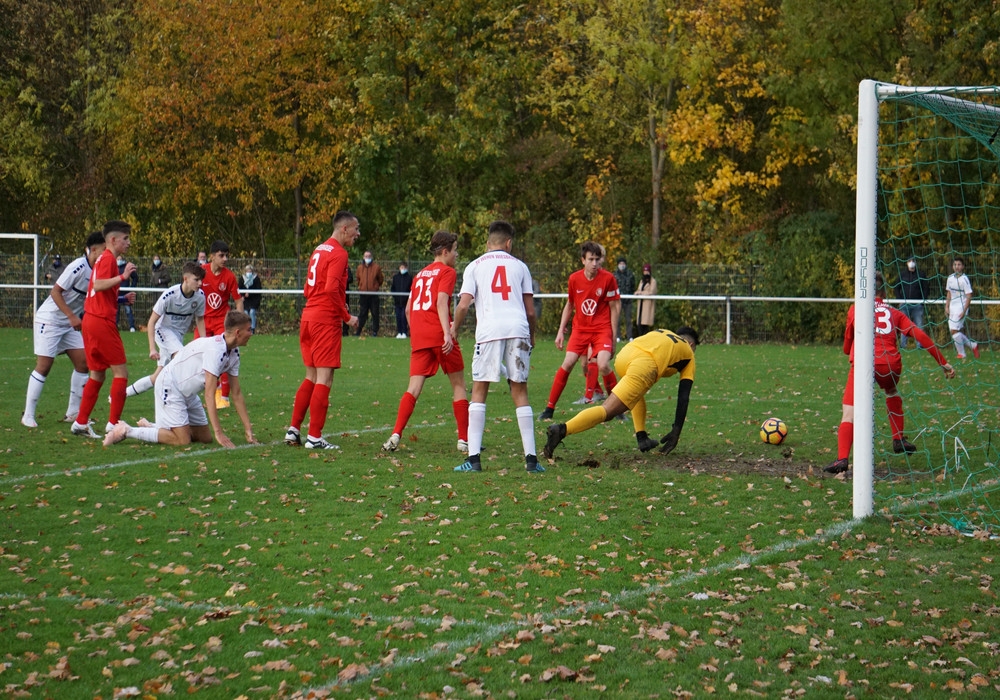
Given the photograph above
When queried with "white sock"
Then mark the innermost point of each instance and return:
(35, 384)
(477, 425)
(144, 434)
(959, 339)
(142, 384)
(526, 424)
(76, 383)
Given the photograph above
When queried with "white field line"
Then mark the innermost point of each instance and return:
(168, 456)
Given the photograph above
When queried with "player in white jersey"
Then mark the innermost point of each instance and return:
(500, 286)
(180, 416)
(57, 331)
(958, 297)
(173, 313)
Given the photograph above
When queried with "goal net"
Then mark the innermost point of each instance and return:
(928, 192)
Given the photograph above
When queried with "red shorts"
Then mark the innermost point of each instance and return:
(886, 376)
(586, 342)
(320, 344)
(425, 361)
(102, 343)
(212, 328)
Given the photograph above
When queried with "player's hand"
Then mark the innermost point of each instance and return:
(129, 269)
(76, 322)
(250, 438)
(224, 441)
(669, 441)
(130, 298)
(154, 355)
(559, 340)
(449, 344)
(352, 322)
(949, 371)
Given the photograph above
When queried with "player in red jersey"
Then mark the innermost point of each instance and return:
(593, 295)
(888, 368)
(320, 333)
(428, 312)
(101, 341)
(220, 286)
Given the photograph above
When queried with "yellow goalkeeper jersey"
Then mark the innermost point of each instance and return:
(670, 351)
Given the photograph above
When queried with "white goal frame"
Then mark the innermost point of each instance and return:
(34, 238)
(870, 94)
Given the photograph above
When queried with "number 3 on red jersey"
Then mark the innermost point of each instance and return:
(499, 284)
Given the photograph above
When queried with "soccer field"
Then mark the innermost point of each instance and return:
(269, 571)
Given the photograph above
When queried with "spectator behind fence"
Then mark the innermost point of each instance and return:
(626, 285)
(54, 270)
(251, 300)
(370, 279)
(401, 283)
(645, 313)
(160, 275)
(914, 289)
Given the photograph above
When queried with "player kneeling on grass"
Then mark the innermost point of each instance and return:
(180, 415)
(639, 365)
(170, 320)
(888, 368)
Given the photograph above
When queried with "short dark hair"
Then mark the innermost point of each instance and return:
(442, 240)
(193, 268)
(117, 226)
(95, 238)
(689, 332)
(342, 216)
(218, 247)
(500, 232)
(591, 247)
(958, 258)
(235, 318)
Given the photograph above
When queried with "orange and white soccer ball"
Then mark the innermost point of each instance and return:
(773, 431)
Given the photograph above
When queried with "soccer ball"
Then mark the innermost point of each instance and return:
(773, 431)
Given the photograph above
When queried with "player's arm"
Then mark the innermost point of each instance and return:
(211, 384)
(669, 441)
(563, 322)
(464, 302)
(236, 394)
(443, 299)
(102, 284)
(60, 301)
(923, 340)
(968, 302)
(616, 313)
(529, 311)
(199, 323)
(154, 353)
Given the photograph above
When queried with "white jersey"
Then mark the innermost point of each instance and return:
(177, 312)
(73, 281)
(186, 372)
(959, 287)
(498, 282)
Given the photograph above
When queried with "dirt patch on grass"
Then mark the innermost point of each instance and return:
(779, 465)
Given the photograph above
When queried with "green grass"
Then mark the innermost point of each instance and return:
(727, 567)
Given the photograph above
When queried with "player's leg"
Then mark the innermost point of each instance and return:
(453, 365)
(517, 360)
(77, 380)
(36, 382)
(845, 431)
(559, 383)
(319, 405)
(604, 366)
(95, 333)
(303, 395)
(485, 369)
(407, 402)
(119, 383)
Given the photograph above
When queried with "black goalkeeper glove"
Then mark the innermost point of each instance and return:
(646, 443)
(669, 441)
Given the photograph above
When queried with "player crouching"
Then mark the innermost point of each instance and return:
(640, 364)
(180, 416)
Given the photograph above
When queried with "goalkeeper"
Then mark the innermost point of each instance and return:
(640, 364)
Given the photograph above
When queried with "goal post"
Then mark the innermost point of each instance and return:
(17, 277)
(928, 191)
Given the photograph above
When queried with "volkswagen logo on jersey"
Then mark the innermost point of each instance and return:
(214, 300)
(588, 307)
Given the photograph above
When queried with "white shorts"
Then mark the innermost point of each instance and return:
(169, 344)
(52, 340)
(174, 410)
(495, 360)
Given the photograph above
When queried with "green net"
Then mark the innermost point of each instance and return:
(939, 187)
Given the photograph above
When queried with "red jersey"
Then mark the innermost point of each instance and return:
(425, 325)
(888, 320)
(219, 289)
(326, 284)
(592, 299)
(103, 304)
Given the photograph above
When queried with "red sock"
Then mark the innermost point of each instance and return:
(302, 398)
(845, 439)
(317, 410)
(224, 384)
(895, 406)
(461, 410)
(406, 404)
(610, 382)
(592, 375)
(118, 386)
(558, 384)
(91, 390)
